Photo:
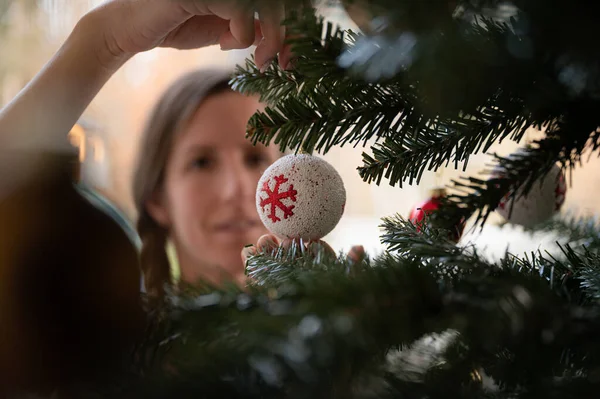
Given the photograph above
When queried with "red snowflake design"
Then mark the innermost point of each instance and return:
(274, 198)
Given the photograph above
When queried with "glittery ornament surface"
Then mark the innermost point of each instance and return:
(300, 196)
(545, 199)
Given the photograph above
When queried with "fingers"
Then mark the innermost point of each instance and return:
(267, 243)
(315, 246)
(242, 32)
(356, 254)
(248, 252)
(273, 34)
(286, 61)
(257, 32)
(285, 57)
(312, 247)
(197, 32)
(288, 243)
(228, 42)
(267, 33)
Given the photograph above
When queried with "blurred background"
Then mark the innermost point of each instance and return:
(107, 135)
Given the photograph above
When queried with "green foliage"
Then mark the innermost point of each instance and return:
(433, 86)
(453, 90)
(316, 325)
(579, 232)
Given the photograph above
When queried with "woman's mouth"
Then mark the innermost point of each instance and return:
(237, 226)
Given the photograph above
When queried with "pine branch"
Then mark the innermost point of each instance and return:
(432, 247)
(369, 111)
(515, 104)
(577, 22)
(316, 104)
(309, 120)
(404, 157)
(519, 172)
(315, 43)
(318, 310)
(587, 266)
(319, 122)
(324, 331)
(576, 231)
(296, 262)
(250, 80)
(573, 279)
(574, 276)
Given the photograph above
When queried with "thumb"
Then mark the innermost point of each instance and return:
(247, 252)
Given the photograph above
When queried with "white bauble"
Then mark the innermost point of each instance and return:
(541, 203)
(300, 196)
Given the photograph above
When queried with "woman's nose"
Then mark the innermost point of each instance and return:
(238, 182)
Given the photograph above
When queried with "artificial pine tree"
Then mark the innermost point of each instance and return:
(434, 82)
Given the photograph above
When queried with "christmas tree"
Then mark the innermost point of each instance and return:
(434, 82)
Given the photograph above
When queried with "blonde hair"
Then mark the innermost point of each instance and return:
(169, 116)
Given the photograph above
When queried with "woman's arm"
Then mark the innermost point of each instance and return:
(104, 39)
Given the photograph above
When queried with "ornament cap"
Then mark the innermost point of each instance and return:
(437, 192)
(303, 150)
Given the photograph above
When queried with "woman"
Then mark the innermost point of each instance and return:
(108, 36)
(67, 317)
(196, 179)
(195, 183)
(40, 117)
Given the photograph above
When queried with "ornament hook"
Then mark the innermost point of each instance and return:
(303, 150)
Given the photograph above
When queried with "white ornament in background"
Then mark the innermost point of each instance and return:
(300, 196)
(541, 203)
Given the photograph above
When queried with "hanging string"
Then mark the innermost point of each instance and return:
(439, 188)
(303, 150)
(439, 182)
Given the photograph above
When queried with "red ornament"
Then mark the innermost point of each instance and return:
(431, 205)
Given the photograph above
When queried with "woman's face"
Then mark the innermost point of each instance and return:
(207, 199)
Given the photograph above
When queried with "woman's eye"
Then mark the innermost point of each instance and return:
(202, 163)
(256, 160)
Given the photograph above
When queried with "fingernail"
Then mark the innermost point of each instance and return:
(266, 65)
(248, 251)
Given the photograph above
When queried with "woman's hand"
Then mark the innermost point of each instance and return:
(106, 37)
(127, 27)
(269, 242)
